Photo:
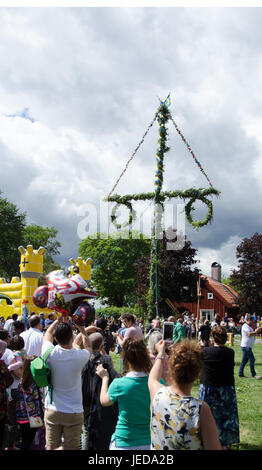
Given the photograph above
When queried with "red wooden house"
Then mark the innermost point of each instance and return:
(214, 297)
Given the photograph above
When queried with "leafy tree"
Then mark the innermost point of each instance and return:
(12, 227)
(227, 280)
(37, 236)
(142, 274)
(178, 281)
(14, 233)
(113, 269)
(247, 279)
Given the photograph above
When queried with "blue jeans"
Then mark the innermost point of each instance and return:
(247, 355)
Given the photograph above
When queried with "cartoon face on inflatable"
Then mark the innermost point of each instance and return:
(40, 296)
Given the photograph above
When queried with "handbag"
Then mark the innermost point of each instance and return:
(34, 421)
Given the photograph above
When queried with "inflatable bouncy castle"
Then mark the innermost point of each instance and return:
(63, 292)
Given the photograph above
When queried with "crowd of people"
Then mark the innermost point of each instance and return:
(147, 404)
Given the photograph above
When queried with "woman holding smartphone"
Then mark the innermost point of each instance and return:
(180, 421)
(131, 394)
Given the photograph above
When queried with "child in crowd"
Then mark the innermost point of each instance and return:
(28, 403)
(12, 428)
(17, 346)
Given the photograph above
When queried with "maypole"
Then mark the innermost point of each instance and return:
(163, 115)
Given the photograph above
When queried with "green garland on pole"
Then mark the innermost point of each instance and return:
(163, 116)
(156, 245)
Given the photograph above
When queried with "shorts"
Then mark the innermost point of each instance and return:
(68, 425)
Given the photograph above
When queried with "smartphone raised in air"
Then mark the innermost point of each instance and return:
(168, 331)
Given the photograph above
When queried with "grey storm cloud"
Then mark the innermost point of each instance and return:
(92, 77)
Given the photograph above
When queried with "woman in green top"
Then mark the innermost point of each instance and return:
(132, 396)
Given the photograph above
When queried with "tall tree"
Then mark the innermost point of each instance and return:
(178, 281)
(113, 265)
(14, 233)
(12, 223)
(247, 279)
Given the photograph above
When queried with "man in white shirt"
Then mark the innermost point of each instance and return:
(33, 337)
(9, 324)
(247, 342)
(64, 413)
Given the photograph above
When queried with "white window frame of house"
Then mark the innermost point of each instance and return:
(210, 295)
(207, 314)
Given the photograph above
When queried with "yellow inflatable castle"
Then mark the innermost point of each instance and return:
(19, 292)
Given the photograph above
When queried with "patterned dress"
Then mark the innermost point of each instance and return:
(217, 389)
(28, 403)
(175, 421)
(223, 404)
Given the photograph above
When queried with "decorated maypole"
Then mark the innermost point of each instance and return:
(157, 232)
(163, 115)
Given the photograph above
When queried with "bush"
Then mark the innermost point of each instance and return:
(117, 311)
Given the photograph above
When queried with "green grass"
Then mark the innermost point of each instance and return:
(249, 398)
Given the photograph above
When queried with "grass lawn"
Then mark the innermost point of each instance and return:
(249, 398)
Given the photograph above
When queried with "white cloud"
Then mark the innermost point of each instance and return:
(225, 255)
(91, 78)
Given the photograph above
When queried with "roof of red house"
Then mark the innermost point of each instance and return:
(224, 292)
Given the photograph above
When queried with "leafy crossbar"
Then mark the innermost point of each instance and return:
(192, 194)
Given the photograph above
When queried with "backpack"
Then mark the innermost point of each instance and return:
(99, 421)
(91, 382)
(41, 371)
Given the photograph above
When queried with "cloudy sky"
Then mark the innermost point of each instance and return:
(80, 86)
